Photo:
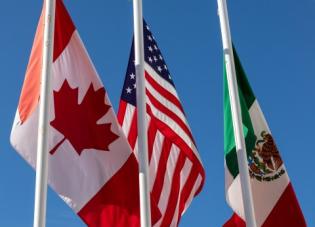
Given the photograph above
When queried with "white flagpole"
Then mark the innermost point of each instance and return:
(42, 146)
(145, 211)
(236, 115)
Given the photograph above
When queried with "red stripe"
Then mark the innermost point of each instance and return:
(121, 112)
(64, 29)
(169, 113)
(171, 135)
(151, 137)
(287, 211)
(161, 170)
(173, 198)
(117, 203)
(186, 191)
(133, 133)
(169, 96)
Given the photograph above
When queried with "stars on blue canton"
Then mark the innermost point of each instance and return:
(153, 57)
(132, 76)
(129, 90)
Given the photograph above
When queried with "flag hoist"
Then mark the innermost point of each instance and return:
(145, 211)
(236, 114)
(43, 121)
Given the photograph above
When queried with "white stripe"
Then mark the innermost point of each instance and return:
(166, 103)
(175, 217)
(193, 192)
(265, 194)
(130, 110)
(135, 150)
(156, 154)
(258, 119)
(183, 178)
(185, 172)
(175, 127)
(228, 177)
(158, 79)
(170, 168)
(234, 197)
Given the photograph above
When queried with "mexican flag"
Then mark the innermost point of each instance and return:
(274, 199)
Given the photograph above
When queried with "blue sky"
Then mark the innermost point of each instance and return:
(275, 41)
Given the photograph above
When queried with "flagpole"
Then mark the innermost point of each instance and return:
(42, 140)
(145, 211)
(236, 115)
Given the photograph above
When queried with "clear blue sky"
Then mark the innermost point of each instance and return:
(275, 41)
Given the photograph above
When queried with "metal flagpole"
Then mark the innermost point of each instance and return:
(145, 211)
(236, 115)
(42, 146)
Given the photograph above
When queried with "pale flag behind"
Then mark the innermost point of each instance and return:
(176, 171)
(274, 199)
(91, 165)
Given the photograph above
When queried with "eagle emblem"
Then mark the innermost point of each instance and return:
(266, 163)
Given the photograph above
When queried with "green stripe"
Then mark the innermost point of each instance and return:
(247, 98)
(243, 83)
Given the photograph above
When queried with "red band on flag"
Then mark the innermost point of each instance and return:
(114, 202)
(287, 211)
(64, 29)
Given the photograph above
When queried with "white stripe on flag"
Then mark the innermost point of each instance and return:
(171, 165)
(183, 178)
(130, 111)
(165, 84)
(176, 128)
(193, 192)
(165, 102)
(156, 153)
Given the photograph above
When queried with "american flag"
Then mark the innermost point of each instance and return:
(176, 172)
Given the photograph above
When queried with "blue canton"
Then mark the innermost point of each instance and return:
(153, 57)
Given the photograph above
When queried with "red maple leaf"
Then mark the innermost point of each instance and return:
(78, 122)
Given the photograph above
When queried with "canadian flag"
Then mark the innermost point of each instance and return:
(91, 165)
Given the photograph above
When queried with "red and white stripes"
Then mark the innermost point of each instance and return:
(176, 172)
